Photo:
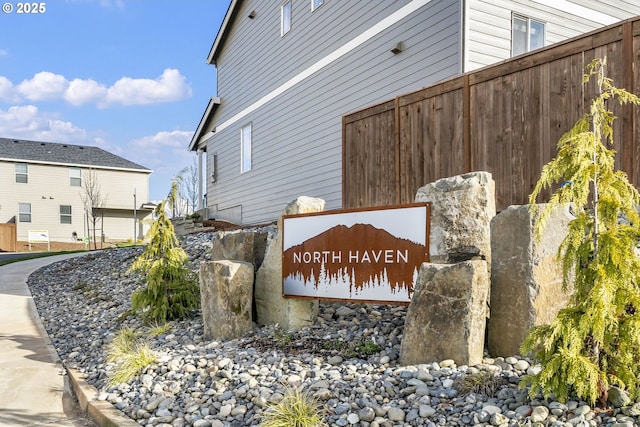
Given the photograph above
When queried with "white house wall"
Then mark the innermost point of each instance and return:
(297, 135)
(49, 187)
(488, 23)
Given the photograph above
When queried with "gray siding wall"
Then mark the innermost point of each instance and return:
(297, 136)
(488, 24)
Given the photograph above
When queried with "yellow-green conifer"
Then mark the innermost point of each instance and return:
(171, 290)
(594, 343)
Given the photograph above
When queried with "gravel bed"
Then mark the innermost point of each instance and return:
(348, 361)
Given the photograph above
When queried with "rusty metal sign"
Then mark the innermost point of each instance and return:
(368, 255)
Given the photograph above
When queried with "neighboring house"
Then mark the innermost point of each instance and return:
(288, 70)
(43, 186)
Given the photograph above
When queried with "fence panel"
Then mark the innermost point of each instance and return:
(8, 237)
(505, 119)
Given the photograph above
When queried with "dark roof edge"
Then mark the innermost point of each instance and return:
(222, 32)
(80, 165)
(214, 101)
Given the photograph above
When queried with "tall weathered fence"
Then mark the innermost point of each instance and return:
(505, 119)
(8, 237)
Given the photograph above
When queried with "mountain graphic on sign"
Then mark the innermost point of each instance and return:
(360, 256)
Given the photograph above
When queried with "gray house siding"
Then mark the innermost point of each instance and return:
(296, 133)
(488, 23)
(297, 136)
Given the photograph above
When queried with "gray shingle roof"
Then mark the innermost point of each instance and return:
(49, 152)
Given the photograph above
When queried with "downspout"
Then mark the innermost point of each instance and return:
(200, 195)
(463, 37)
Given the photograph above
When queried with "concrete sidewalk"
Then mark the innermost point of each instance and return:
(32, 381)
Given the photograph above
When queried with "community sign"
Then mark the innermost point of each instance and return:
(371, 255)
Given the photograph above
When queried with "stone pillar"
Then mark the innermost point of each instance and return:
(447, 315)
(526, 276)
(461, 210)
(271, 306)
(240, 245)
(226, 291)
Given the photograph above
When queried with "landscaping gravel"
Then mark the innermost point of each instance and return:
(348, 361)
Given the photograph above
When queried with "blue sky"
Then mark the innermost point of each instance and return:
(128, 76)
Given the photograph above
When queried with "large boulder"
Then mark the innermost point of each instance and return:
(226, 290)
(240, 245)
(271, 307)
(462, 207)
(526, 276)
(446, 318)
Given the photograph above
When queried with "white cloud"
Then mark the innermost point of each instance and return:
(109, 4)
(165, 152)
(82, 92)
(44, 85)
(8, 91)
(170, 86)
(28, 122)
(164, 139)
(4, 52)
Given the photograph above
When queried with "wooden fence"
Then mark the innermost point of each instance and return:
(505, 119)
(8, 237)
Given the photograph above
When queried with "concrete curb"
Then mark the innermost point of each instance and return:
(101, 412)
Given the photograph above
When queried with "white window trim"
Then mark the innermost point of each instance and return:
(314, 6)
(528, 32)
(245, 152)
(24, 213)
(282, 17)
(69, 215)
(75, 177)
(26, 174)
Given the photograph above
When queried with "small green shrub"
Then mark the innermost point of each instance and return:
(283, 337)
(296, 409)
(130, 353)
(484, 382)
(366, 347)
(334, 344)
(159, 329)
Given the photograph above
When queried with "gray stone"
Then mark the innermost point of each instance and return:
(242, 245)
(461, 210)
(366, 414)
(526, 277)
(271, 306)
(539, 414)
(353, 418)
(395, 414)
(446, 316)
(226, 291)
(426, 411)
(618, 397)
(632, 411)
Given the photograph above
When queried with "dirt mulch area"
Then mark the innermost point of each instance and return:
(58, 246)
(207, 225)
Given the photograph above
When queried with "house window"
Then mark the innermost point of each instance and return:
(65, 214)
(526, 34)
(245, 149)
(285, 21)
(316, 4)
(24, 212)
(22, 173)
(75, 177)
